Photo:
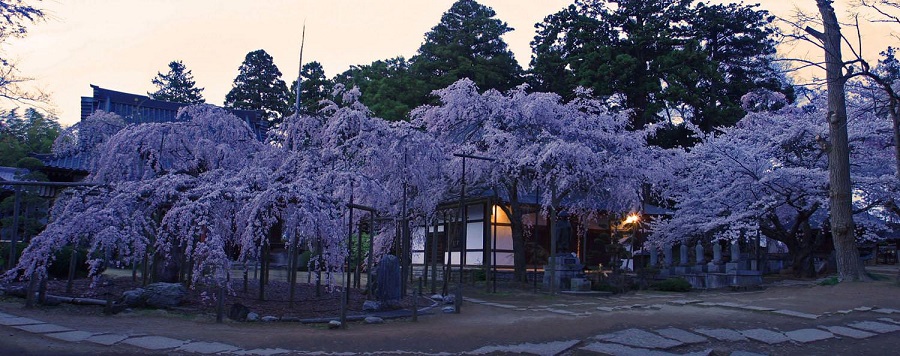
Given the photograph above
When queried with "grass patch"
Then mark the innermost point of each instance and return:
(830, 281)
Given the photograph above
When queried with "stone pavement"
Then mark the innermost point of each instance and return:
(879, 322)
(667, 341)
(794, 330)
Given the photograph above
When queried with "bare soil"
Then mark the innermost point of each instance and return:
(309, 301)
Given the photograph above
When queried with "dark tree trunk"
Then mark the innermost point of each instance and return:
(518, 234)
(842, 228)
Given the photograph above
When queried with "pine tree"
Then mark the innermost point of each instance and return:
(177, 85)
(659, 58)
(467, 43)
(258, 86)
(314, 88)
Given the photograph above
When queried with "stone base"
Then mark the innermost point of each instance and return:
(745, 278)
(715, 268)
(699, 268)
(579, 284)
(565, 267)
(739, 265)
(683, 270)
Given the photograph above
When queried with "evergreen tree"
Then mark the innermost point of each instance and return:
(177, 85)
(661, 59)
(314, 87)
(258, 86)
(21, 135)
(467, 43)
(388, 87)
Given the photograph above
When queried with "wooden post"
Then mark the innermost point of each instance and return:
(220, 304)
(29, 291)
(73, 264)
(264, 257)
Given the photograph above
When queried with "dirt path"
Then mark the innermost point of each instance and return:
(508, 318)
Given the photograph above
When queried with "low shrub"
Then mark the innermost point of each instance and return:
(672, 285)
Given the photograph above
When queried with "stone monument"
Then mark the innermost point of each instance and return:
(564, 264)
(387, 282)
(715, 266)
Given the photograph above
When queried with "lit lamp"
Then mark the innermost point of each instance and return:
(633, 219)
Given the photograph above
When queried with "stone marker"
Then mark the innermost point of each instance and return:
(654, 256)
(667, 255)
(387, 281)
(164, 295)
(238, 312)
(371, 305)
(717, 253)
(735, 252)
(683, 257)
(698, 252)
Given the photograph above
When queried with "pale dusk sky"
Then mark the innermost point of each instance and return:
(122, 44)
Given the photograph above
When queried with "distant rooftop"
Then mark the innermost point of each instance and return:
(139, 109)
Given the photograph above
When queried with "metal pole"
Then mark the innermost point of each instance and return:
(371, 254)
(15, 229)
(434, 242)
(462, 238)
(404, 244)
(494, 250)
(534, 237)
(346, 294)
(553, 236)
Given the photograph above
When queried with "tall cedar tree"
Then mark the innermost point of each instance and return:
(314, 87)
(177, 85)
(659, 58)
(846, 251)
(467, 43)
(258, 86)
(388, 87)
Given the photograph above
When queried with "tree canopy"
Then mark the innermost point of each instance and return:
(467, 43)
(769, 173)
(177, 85)
(258, 86)
(21, 135)
(314, 88)
(664, 60)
